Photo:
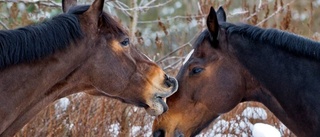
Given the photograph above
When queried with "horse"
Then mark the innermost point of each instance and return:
(236, 62)
(83, 49)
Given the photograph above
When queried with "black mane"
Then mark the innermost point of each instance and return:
(281, 39)
(39, 40)
(201, 37)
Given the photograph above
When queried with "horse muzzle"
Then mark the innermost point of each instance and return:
(158, 104)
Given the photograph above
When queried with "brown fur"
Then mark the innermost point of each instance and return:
(97, 64)
(274, 68)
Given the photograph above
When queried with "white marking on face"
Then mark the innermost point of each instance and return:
(188, 56)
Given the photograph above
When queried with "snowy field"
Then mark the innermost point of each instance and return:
(239, 125)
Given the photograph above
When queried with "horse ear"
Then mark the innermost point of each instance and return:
(67, 4)
(221, 14)
(96, 8)
(212, 24)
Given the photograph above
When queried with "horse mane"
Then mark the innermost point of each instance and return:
(281, 39)
(38, 40)
(205, 34)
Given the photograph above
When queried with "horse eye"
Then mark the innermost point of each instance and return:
(196, 70)
(125, 42)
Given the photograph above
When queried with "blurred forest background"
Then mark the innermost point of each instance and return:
(164, 30)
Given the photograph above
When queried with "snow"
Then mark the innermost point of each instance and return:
(136, 130)
(178, 4)
(115, 129)
(71, 126)
(241, 125)
(265, 130)
(62, 104)
(255, 113)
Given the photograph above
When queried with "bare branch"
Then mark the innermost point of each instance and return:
(179, 48)
(141, 8)
(119, 5)
(134, 19)
(47, 3)
(4, 25)
(276, 12)
(172, 52)
(257, 11)
(201, 12)
(149, 3)
(173, 65)
(168, 19)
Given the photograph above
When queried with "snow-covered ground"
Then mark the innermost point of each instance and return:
(242, 126)
(239, 125)
(265, 130)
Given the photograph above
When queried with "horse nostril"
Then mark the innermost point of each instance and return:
(166, 77)
(168, 81)
(158, 133)
(177, 133)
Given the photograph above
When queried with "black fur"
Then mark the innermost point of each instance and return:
(285, 64)
(284, 40)
(39, 40)
(202, 36)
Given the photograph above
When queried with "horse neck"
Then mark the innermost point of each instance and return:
(292, 90)
(27, 88)
(258, 93)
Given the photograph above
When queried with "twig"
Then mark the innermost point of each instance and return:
(134, 19)
(119, 5)
(4, 25)
(144, 7)
(172, 52)
(172, 65)
(203, 21)
(257, 11)
(276, 12)
(48, 3)
(164, 20)
(237, 13)
(149, 3)
(181, 47)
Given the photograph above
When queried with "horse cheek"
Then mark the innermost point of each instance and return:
(226, 90)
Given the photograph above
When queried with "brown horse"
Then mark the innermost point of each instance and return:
(233, 63)
(84, 49)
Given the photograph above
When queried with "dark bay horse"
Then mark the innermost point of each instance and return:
(84, 49)
(233, 63)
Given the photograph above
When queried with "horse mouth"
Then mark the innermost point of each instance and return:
(158, 104)
(163, 102)
(158, 107)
